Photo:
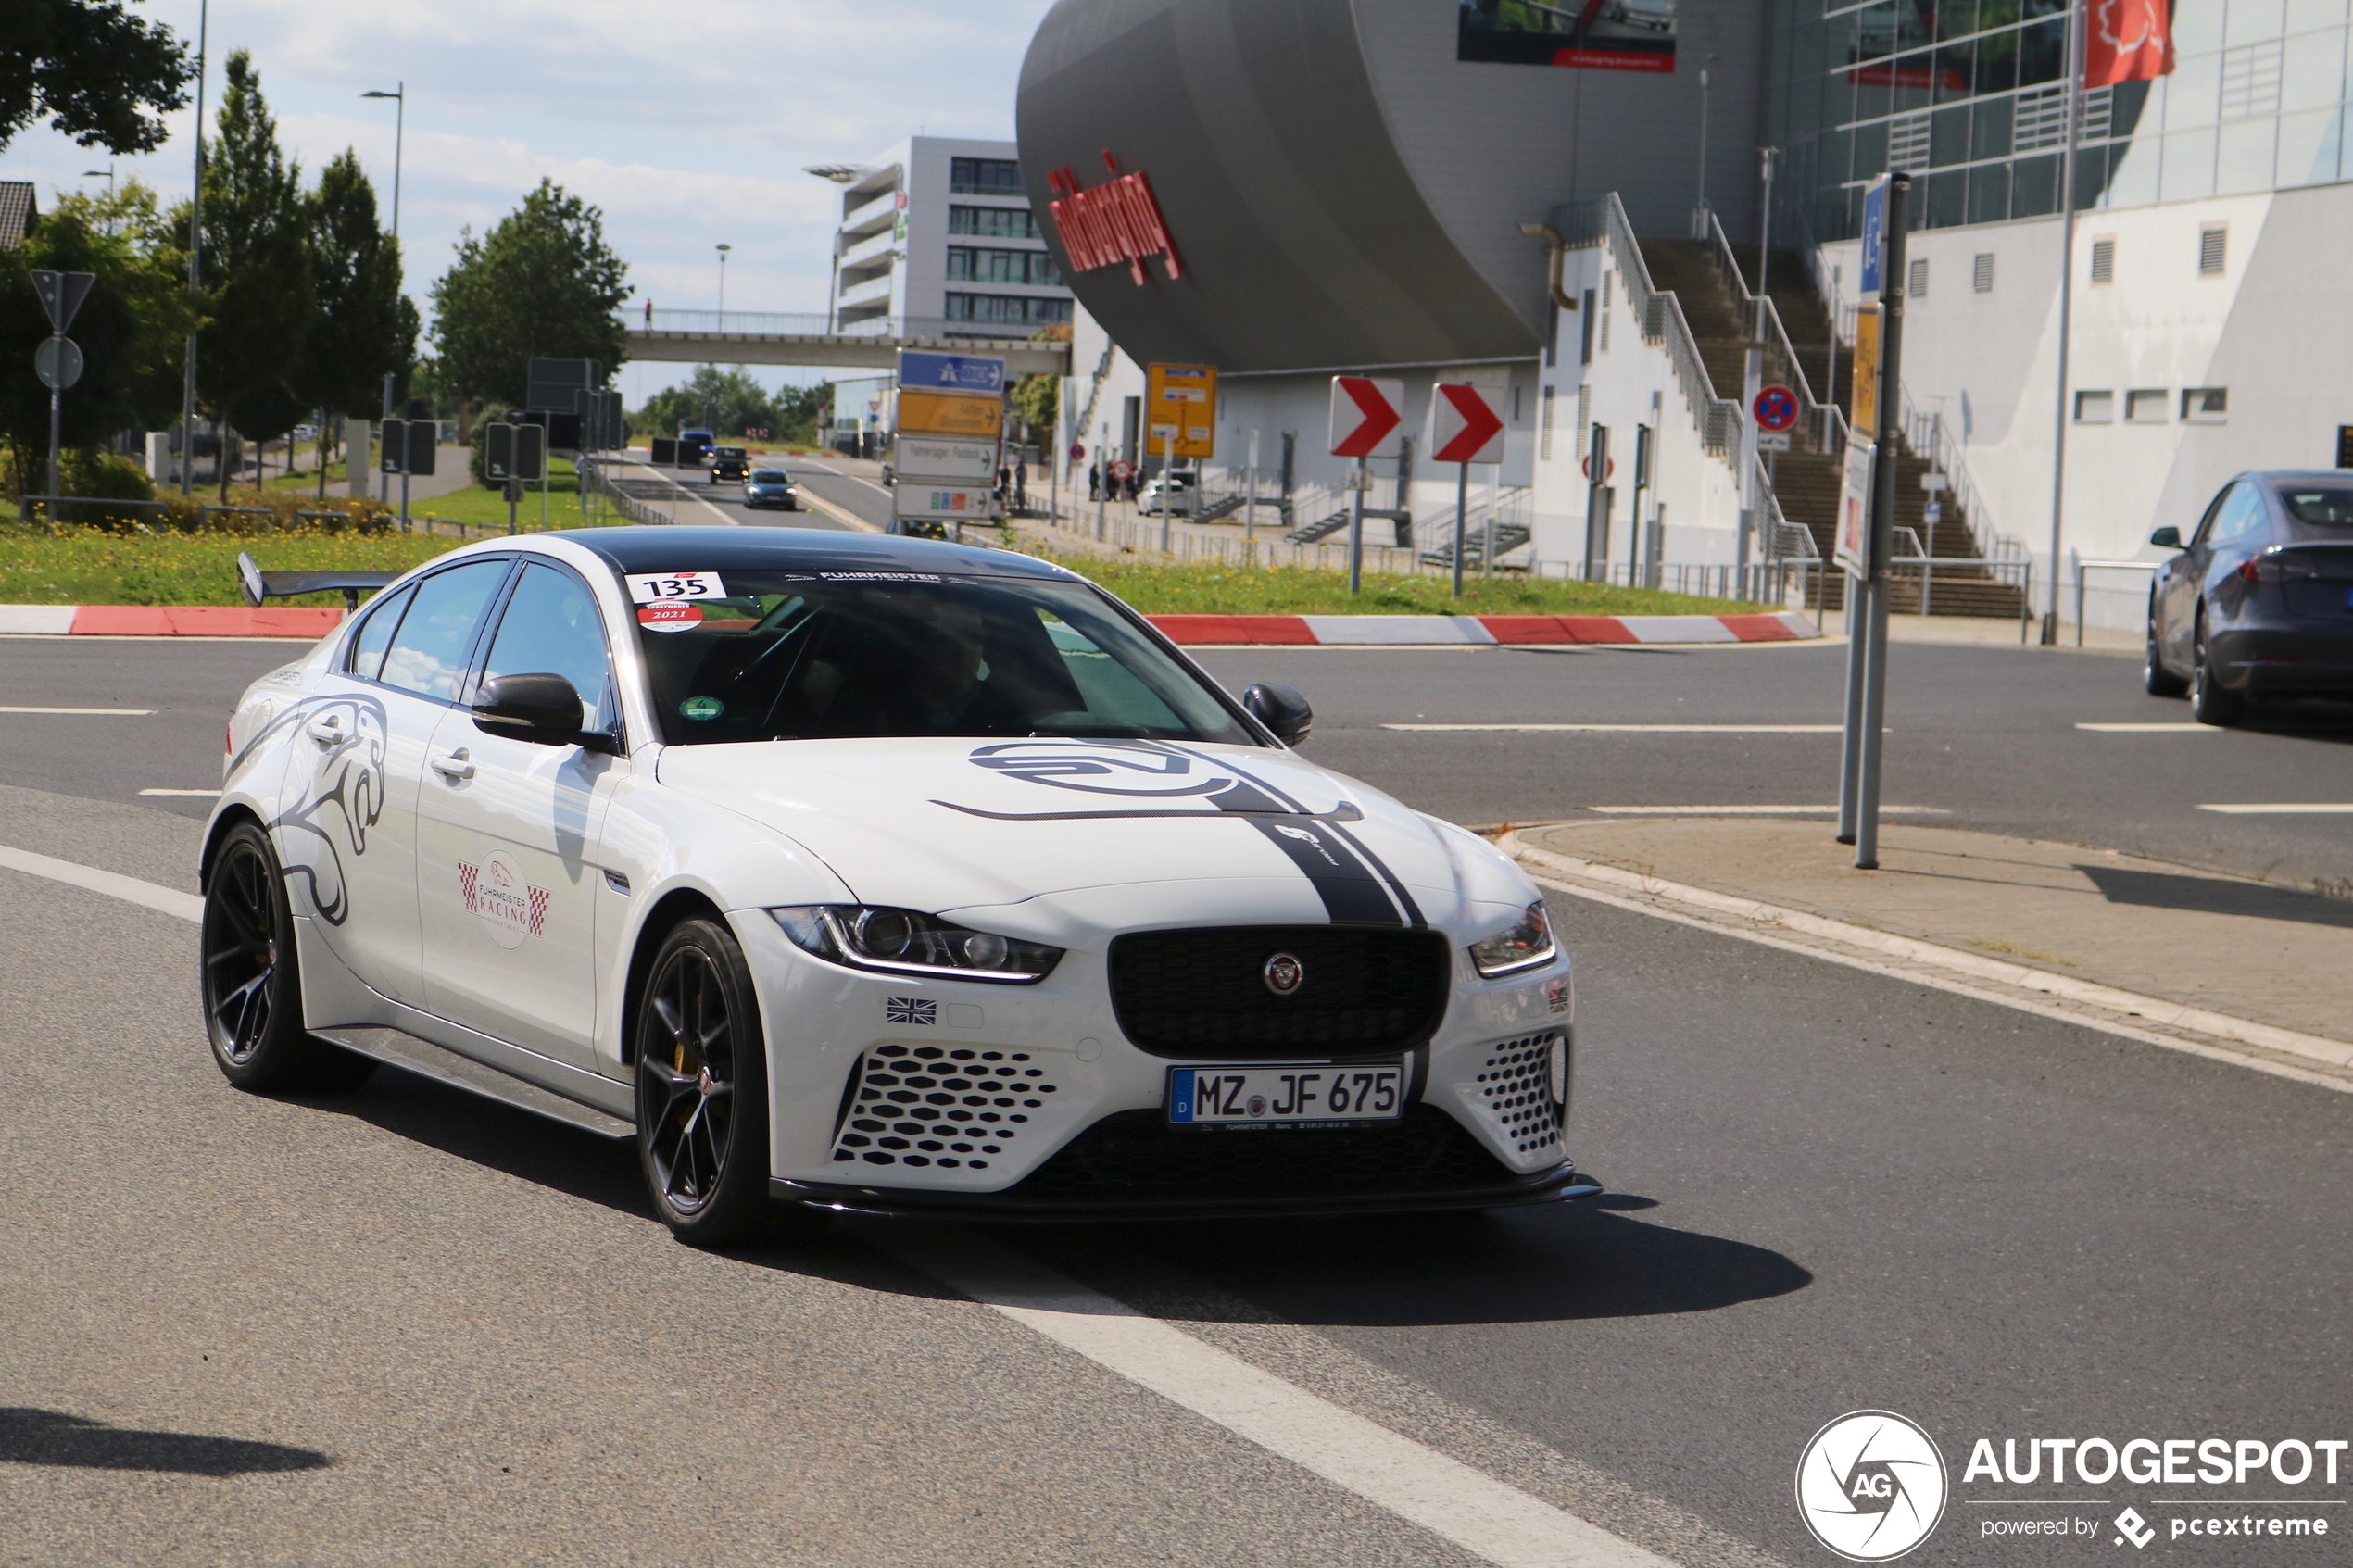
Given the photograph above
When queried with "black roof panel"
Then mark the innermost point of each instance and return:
(756, 549)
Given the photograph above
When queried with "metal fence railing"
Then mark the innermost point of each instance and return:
(818, 324)
(1604, 222)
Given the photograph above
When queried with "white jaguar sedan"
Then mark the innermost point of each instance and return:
(854, 873)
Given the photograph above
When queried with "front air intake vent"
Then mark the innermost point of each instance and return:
(934, 1105)
(1205, 996)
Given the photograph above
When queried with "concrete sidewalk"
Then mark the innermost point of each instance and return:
(2221, 957)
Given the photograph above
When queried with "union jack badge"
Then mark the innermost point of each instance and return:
(910, 1010)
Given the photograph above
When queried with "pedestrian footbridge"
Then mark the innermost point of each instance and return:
(754, 337)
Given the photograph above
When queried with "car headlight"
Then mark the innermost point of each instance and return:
(908, 942)
(1528, 944)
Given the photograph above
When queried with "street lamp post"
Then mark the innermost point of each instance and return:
(399, 96)
(723, 286)
(195, 277)
(107, 174)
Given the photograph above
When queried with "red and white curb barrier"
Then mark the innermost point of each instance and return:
(1399, 630)
(1298, 630)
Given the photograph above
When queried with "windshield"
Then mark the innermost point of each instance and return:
(731, 453)
(813, 655)
(771, 476)
(2320, 506)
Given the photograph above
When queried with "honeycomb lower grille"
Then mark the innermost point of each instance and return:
(935, 1105)
(1524, 1090)
(1203, 995)
(1135, 1154)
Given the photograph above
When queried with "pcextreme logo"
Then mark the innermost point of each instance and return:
(1871, 1485)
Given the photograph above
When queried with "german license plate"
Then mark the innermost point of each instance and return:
(1309, 1094)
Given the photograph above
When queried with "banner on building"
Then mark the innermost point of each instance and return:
(2126, 41)
(1579, 34)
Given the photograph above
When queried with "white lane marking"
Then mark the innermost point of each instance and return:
(2154, 729)
(1645, 729)
(1886, 945)
(125, 713)
(1444, 1496)
(2287, 808)
(150, 895)
(209, 793)
(1759, 810)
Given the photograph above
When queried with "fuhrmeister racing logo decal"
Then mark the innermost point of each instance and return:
(509, 906)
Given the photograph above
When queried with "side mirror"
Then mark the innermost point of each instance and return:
(1282, 710)
(543, 710)
(2168, 538)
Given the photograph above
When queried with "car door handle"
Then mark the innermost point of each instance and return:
(326, 732)
(454, 765)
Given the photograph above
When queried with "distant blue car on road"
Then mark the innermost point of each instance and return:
(771, 487)
(2259, 603)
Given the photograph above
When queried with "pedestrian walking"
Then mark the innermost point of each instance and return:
(1094, 482)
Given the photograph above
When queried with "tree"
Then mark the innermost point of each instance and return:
(101, 75)
(129, 329)
(258, 266)
(543, 284)
(365, 329)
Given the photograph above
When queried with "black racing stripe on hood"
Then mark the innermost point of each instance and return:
(1351, 894)
(1252, 794)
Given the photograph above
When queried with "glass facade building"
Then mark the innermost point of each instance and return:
(1969, 96)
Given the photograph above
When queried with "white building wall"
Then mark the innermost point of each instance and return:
(2271, 328)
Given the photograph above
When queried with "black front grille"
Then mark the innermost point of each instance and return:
(1203, 994)
(1137, 1155)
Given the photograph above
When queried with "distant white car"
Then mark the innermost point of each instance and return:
(850, 872)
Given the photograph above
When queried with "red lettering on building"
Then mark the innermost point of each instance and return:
(1116, 221)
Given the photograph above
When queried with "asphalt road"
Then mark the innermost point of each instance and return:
(429, 1329)
(847, 483)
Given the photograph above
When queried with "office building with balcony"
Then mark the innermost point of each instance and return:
(938, 231)
(1367, 186)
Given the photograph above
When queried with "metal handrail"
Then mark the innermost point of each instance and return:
(2083, 566)
(1775, 336)
(1603, 221)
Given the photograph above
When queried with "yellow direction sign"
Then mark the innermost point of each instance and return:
(1863, 418)
(941, 413)
(1181, 400)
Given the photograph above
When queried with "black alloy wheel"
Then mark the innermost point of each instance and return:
(251, 981)
(2210, 702)
(2159, 681)
(702, 1091)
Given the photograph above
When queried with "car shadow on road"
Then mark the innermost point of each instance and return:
(1552, 1263)
(39, 1437)
(2217, 896)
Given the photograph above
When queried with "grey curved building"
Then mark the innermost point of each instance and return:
(1343, 182)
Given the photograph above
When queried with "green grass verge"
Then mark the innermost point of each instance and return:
(1201, 589)
(87, 567)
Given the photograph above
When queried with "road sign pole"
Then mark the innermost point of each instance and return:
(57, 403)
(1462, 510)
(1891, 428)
(1103, 490)
(1250, 502)
(1357, 531)
(1167, 488)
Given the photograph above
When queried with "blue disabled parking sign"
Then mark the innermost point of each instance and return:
(1874, 234)
(951, 373)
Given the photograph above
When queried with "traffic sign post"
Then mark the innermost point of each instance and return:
(1884, 246)
(1365, 414)
(1465, 429)
(59, 362)
(955, 403)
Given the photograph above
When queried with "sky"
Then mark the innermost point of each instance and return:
(689, 127)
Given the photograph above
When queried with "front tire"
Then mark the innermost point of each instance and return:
(2210, 702)
(251, 980)
(2159, 681)
(702, 1091)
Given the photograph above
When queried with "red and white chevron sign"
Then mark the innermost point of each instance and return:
(1365, 414)
(1464, 427)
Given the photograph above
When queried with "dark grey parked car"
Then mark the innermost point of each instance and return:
(2260, 602)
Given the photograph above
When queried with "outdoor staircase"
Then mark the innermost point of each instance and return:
(1323, 529)
(1509, 536)
(1806, 479)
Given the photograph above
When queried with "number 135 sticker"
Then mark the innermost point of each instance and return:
(660, 585)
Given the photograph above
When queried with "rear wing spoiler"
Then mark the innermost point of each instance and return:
(258, 584)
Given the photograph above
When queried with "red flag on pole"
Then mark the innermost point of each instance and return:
(2128, 41)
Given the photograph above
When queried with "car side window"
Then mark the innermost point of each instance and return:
(2205, 535)
(366, 656)
(429, 654)
(2241, 515)
(550, 627)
